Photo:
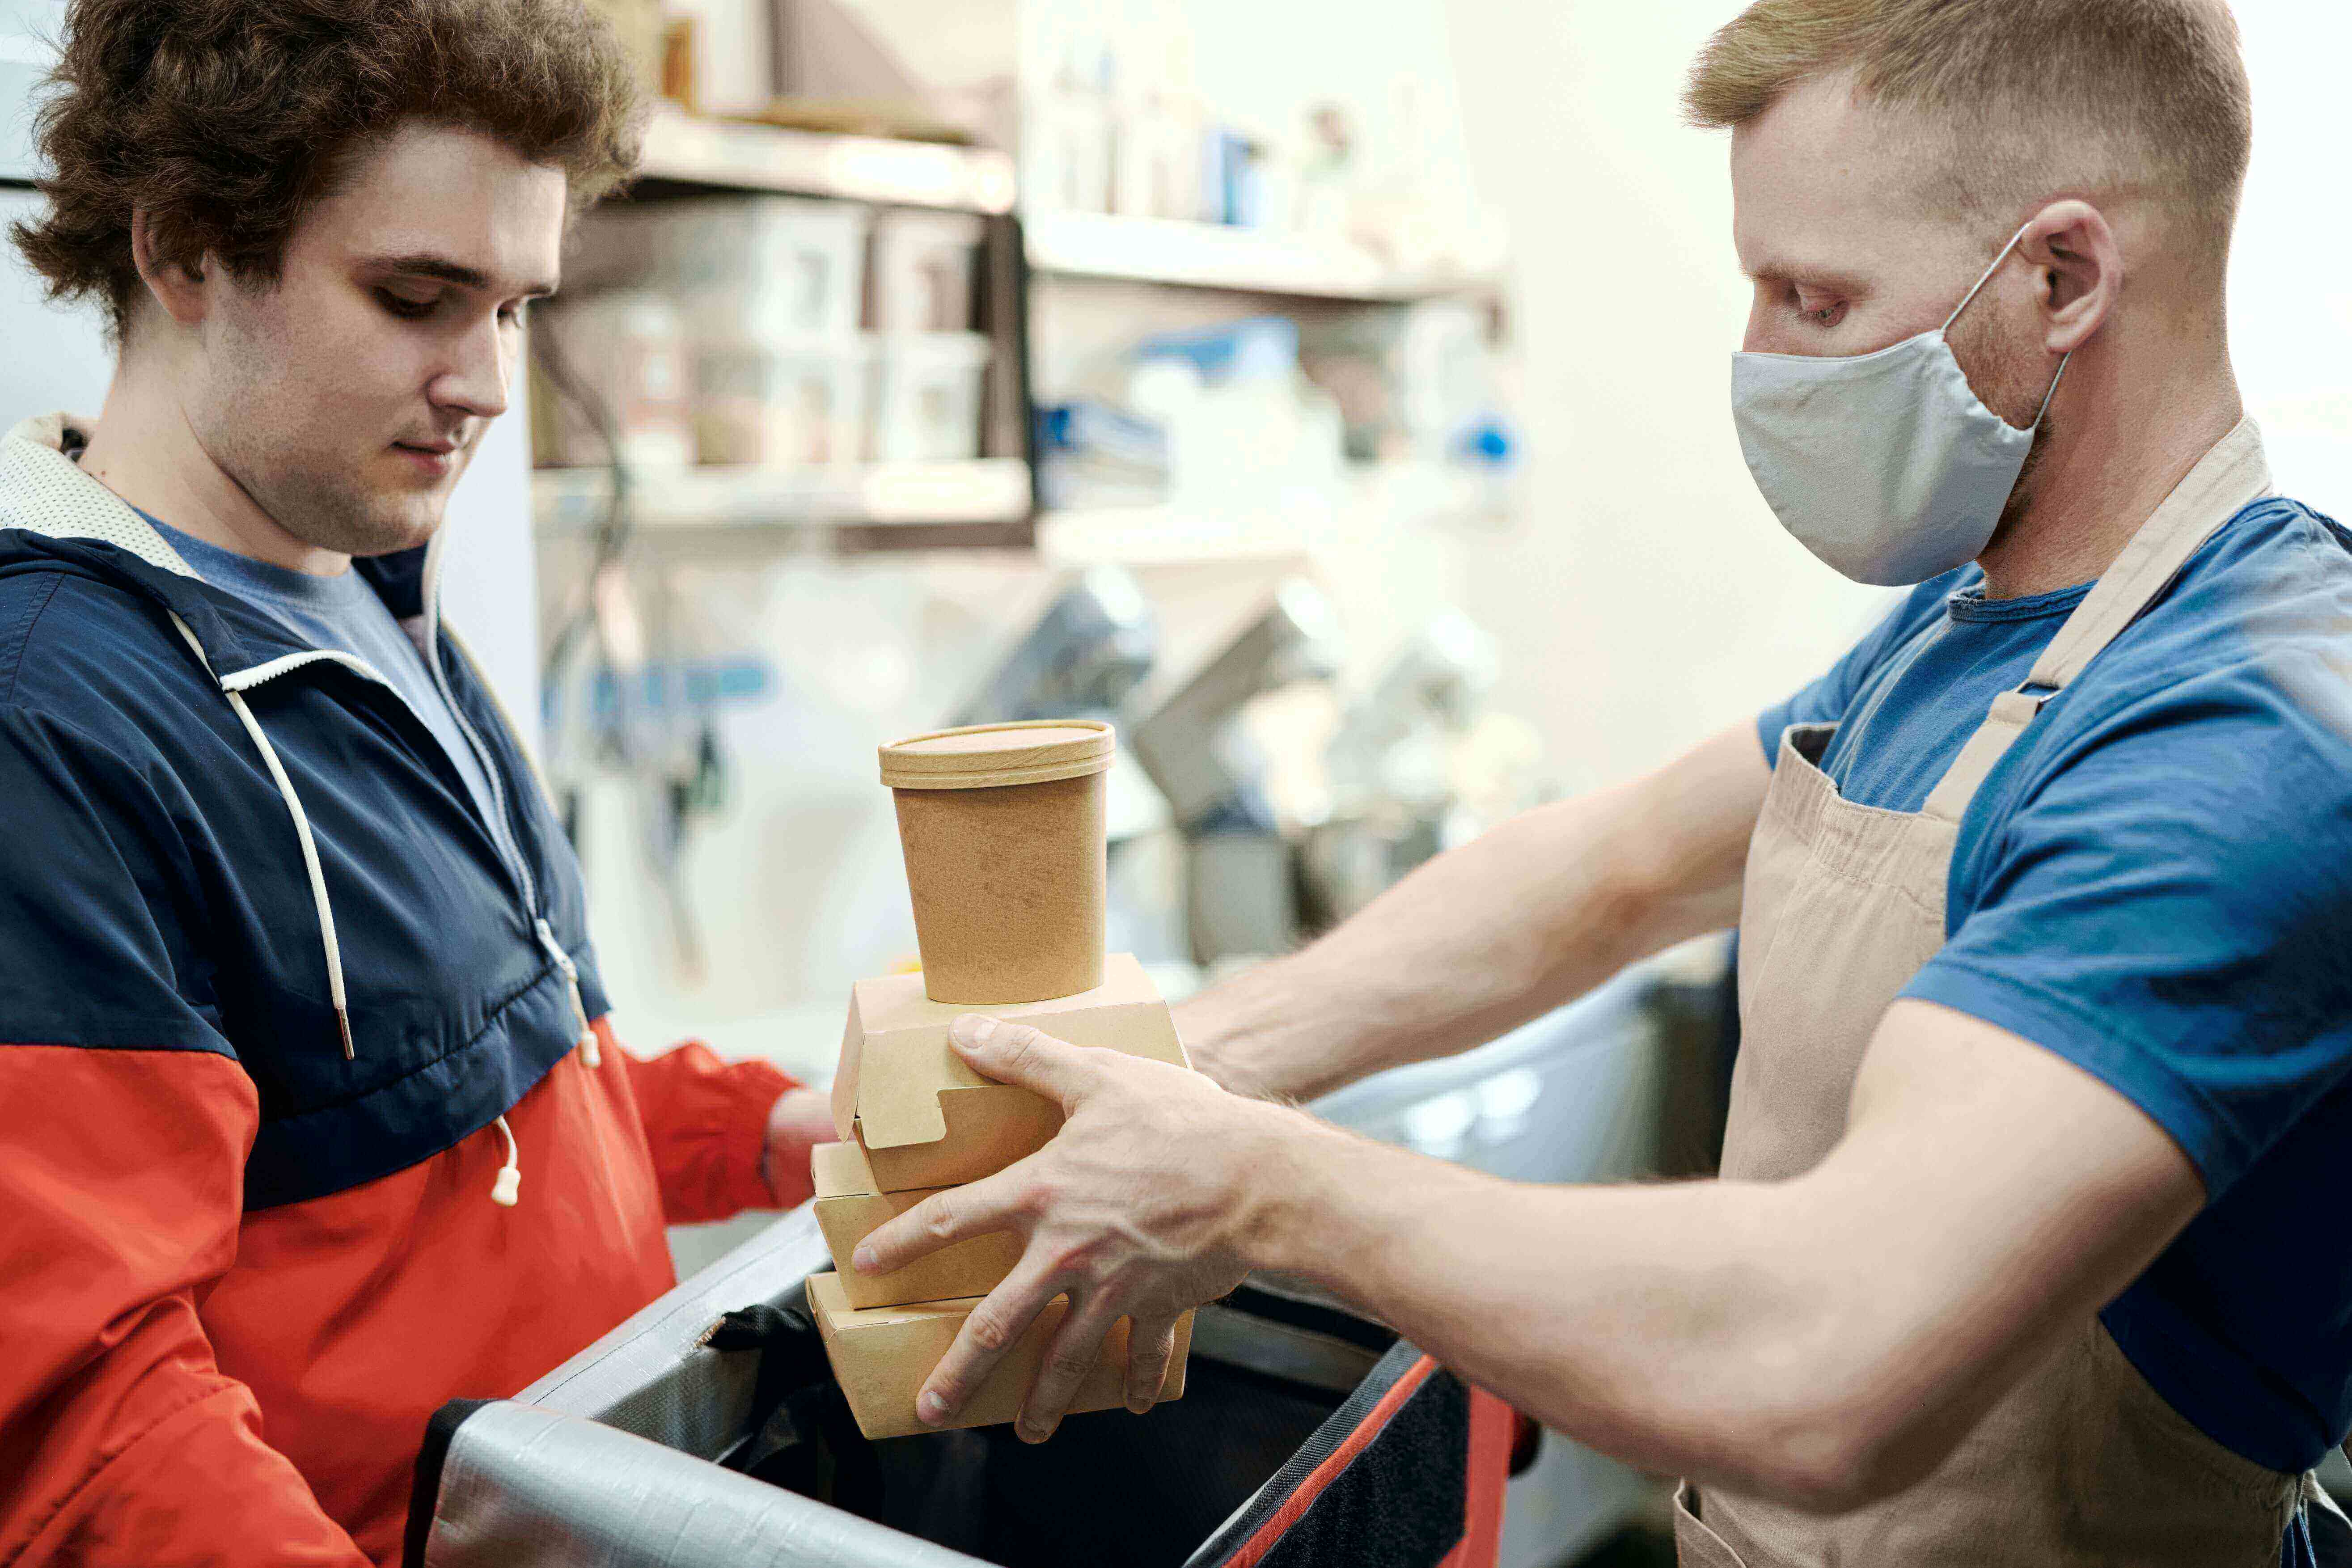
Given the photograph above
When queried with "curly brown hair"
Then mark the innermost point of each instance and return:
(225, 121)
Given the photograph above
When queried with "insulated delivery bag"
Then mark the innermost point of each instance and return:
(707, 1432)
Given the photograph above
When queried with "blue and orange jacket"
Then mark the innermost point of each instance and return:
(280, 1013)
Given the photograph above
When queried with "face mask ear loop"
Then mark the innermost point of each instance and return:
(2064, 360)
(1986, 278)
(1971, 294)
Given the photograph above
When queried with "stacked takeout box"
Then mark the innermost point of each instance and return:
(1002, 829)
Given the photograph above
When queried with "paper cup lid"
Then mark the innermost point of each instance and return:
(989, 757)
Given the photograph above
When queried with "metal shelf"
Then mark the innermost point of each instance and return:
(731, 155)
(1213, 256)
(883, 495)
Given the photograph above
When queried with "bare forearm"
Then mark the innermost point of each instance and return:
(1824, 1339)
(1660, 1324)
(1482, 939)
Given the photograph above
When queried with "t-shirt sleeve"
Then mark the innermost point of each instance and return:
(2169, 908)
(96, 913)
(1826, 698)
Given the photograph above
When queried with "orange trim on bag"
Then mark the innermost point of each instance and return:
(1493, 1428)
(1303, 1496)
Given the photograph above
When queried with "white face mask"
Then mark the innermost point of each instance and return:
(1884, 465)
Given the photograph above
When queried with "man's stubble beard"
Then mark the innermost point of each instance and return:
(325, 510)
(309, 495)
(2021, 494)
(2015, 384)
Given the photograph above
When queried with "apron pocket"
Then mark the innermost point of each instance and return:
(1696, 1546)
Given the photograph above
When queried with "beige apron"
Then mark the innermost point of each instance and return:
(2082, 1463)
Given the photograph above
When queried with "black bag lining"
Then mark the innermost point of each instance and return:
(424, 1495)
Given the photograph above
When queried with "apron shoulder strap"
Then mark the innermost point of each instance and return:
(2233, 474)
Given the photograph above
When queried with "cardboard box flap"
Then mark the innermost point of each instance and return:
(840, 1169)
(988, 1128)
(845, 1075)
(896, 1060)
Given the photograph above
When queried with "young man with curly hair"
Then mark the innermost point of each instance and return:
(315, 1121)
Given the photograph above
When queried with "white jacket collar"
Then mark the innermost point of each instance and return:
(44, 491)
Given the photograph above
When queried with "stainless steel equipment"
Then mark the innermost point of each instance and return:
(1394, 802)
(1091, 648)
(1192, 745)
(1240, 894)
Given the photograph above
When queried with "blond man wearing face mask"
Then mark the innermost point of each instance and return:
(2042, 894)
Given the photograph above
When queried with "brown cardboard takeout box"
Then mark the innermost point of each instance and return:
(1002, 828)
(849, 1206)
(883, 1356)
(926, 1119)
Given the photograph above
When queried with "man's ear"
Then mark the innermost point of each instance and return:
(177, 286)
(2082, 267)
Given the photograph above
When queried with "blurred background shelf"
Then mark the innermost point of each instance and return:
(685, 150)
(1217, 256)
(1373, 501)
(985, 490)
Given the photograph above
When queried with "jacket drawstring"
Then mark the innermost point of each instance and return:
(508, 1185)
(590, 1055)
(309, 847)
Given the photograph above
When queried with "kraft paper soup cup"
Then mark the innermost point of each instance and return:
(1002, 826)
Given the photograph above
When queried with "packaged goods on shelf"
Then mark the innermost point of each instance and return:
(792, 404)
(920, 279)
(1092, 453)
(1156, 164)
(625, 348)
(927, 396)
(1066, 153)
(772, 269)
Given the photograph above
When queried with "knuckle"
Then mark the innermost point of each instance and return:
(941, 1217)
(990, 1332)
(1069, 1364)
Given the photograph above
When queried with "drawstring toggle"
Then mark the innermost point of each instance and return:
(590, 1055)
(508, 1186)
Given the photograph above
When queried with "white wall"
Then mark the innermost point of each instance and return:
(50, 359)
(488, 591)
(2289, 292)
(1652, 597)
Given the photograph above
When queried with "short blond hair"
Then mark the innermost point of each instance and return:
(2018, 98)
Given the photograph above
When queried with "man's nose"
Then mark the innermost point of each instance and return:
(475, 378)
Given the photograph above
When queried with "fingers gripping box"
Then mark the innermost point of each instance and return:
(924, 1119)
(883, 1355)
(1002, 829)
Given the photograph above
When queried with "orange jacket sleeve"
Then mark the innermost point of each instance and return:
(706, 1123)
(120, 1441)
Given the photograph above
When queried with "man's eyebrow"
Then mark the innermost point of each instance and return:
(1783, 270)
(423, 264)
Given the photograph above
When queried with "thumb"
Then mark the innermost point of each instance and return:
(1026, 1058)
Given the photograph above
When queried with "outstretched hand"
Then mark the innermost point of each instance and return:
(800, 1119)
(1140, 1209)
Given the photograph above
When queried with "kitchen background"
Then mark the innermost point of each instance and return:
(1333, 395)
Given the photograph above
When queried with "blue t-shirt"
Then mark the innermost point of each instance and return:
(2155, 883)
(344, 614)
